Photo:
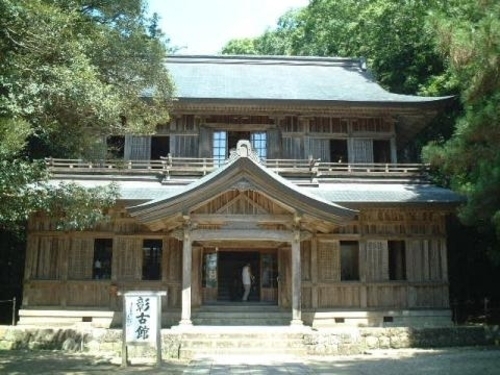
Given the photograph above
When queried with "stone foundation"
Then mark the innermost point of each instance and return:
(338, 341)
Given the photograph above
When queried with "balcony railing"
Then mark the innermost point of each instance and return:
(197, 167)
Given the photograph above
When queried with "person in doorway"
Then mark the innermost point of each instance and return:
(246, 278)
(97, 269)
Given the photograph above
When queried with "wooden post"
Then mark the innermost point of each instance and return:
(14, 311)
(296, 280)
(124, 334)
(187, 259)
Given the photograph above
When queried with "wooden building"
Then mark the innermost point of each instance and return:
(292, 164)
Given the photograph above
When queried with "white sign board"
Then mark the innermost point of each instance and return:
(141, 320)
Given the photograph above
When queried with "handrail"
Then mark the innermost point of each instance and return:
(188, 166)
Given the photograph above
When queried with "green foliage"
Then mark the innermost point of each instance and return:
(72, 72)
(18, 197)
(469, 35)
(243, 46)
(393, 35)
(75, 207)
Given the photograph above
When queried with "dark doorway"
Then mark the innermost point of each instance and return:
(160, 146)
(229, 268)
(382, 151)
(338, 151)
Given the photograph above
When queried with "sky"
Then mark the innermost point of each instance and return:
(205, 26)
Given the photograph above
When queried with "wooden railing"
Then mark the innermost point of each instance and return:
(196, 167)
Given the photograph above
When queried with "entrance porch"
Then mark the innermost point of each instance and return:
(222, 275)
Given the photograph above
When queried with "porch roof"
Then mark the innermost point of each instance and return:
(341, 192)
(243, 172)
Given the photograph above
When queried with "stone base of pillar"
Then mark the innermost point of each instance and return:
(185, 323)
(296, 323)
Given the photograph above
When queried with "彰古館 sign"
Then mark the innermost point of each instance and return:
(142, 320)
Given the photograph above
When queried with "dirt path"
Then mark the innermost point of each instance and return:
(456, 361)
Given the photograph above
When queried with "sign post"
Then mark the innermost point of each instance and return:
(141, 321)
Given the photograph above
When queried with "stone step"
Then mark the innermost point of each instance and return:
(237, 340)
(241, 314)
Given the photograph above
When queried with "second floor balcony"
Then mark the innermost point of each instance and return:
(172, 168)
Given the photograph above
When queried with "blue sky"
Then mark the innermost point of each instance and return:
(205, 26)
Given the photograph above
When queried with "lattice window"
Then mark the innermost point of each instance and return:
(305, 259)
(259, 144)
(328, 125)
(80, 259)
(329, 260)
(47, 259)
(372, 125)
(292, 124)
(376, 262)
(128, 267)
(219, 147)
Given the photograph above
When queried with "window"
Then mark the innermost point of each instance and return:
(151, 259)
(103, 253)
(259, 144)
(225, 141)
(397, 260)
(349, 260)
(220, 147)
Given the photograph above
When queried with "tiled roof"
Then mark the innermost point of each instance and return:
(340, 193)
(310, 79)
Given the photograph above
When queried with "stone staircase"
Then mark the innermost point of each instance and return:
(242, 340)
(241, 314)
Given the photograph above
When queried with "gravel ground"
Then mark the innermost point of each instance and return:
(452, 361)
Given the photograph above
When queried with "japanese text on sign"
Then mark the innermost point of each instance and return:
(140, 318)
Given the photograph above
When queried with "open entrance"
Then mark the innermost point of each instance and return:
(222, 279)
(230, 267)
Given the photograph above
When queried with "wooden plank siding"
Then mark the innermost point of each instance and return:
(59, 264)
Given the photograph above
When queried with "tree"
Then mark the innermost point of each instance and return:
(469, 35)
(278, 41)
(71, 73)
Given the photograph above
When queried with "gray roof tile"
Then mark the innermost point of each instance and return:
(278, 78)
(340, 193)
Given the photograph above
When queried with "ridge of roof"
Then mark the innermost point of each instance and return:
(268, 60)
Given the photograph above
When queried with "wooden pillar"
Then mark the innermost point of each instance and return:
(296, 280)
(187, 257)
(314, 273)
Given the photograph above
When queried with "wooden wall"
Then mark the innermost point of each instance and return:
(59, 264)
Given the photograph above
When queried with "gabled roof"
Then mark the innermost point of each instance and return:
(280, 78)
(243, 172)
